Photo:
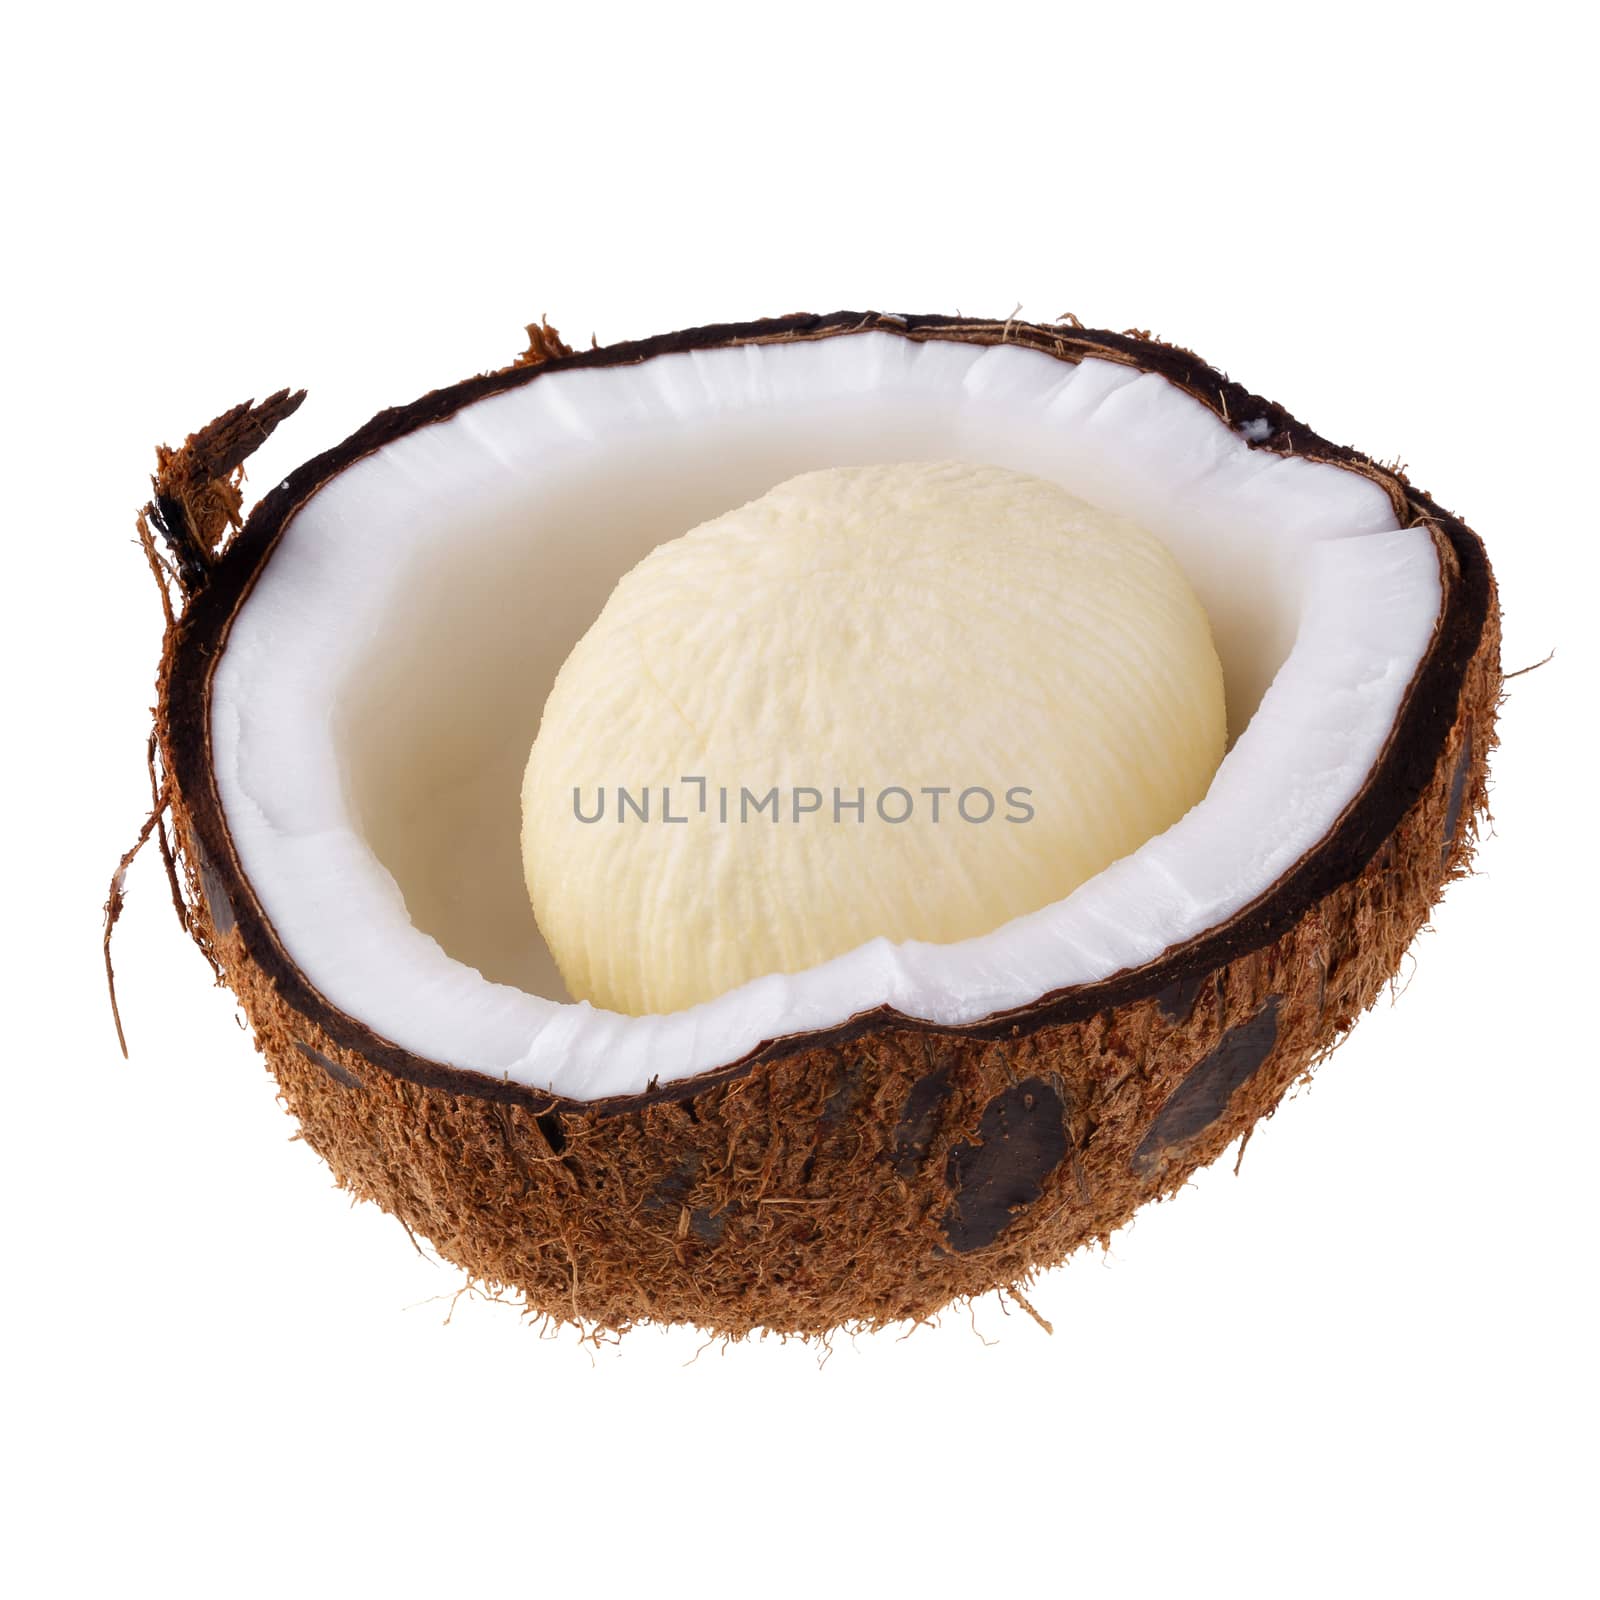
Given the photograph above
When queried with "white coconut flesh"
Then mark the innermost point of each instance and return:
(379, 689)
(912, 700)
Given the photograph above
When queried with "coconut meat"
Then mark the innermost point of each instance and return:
(918, 699)
(380, 686)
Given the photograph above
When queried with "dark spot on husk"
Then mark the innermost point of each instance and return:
(218, 905)
(1207, 1088)
(919, 1121)
(1022, 1140)
(1177, 998)
(705, 1226)
(549, 1124)
(673, 1190)
(172, 523)
(841, 1097)
(840, 1103)
(1458, 790)
(671, 1196)
(340, 1075)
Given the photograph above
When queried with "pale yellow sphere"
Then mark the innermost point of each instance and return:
(970, 690)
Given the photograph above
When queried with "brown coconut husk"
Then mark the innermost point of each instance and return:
(873, 1173)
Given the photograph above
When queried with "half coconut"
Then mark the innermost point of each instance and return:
(352, 674)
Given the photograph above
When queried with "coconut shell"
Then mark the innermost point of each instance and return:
(873, 1173)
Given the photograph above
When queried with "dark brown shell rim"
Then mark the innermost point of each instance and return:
(1396, 780)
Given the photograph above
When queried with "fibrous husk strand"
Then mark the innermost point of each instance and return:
(197, 502)
(198, 487)
(544, 344)
(155, 823)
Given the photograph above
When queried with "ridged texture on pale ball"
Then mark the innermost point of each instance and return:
(865, 630)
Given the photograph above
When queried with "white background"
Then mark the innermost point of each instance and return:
(1362, 1367)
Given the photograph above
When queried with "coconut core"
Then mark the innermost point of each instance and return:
(909, 701)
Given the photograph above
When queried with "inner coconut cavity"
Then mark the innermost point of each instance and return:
(379, 688)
